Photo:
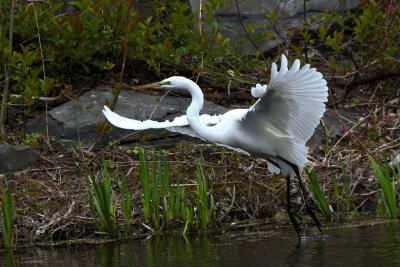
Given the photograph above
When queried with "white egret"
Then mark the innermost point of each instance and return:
(275, 128)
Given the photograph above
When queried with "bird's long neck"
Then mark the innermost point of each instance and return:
(193, 113)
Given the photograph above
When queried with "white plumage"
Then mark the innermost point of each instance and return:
(275, 128)
(278, 124)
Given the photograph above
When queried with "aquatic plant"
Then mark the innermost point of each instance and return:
(145, 182)
(205, 213)
(101, 203)
(170, 195)
(155, 196)
(158, 191)
(188, 213)
(127, 211)
(7, 218)
(387, 186)
(166, 203)
(319, 195)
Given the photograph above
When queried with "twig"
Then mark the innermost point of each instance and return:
(387, 17)
(45, 227)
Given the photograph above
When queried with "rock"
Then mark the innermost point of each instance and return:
(256, 11)
(76, 121)
(333, 126)
(14, 158)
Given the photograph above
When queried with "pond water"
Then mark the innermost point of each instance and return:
(372, 245)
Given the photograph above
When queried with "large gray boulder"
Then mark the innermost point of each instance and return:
(76, 121)
(15, 158)
(256, 11)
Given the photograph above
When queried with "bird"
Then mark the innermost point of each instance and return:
(276, 127)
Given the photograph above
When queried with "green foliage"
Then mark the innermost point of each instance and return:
(101, 203)
(7, 218)
(158, 191)
(145, 182)
(91, 41)
(388, 188)
(377, 45)
(127, 210)
(188, 214)
(206, 212)
(361, 41)
(318, 194)
(195, 209)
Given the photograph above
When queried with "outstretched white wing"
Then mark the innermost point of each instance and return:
(291, 106)
(293, 102)
(179, 124)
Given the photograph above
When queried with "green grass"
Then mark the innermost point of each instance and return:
(7, 218)
(166, 204)
(155, 194)
(127, 211)
(170, 195)
(319, 195)
(145, 182)
(388, 188)
(158, 192)
(101, 203)
(188, 214)
(206, 213)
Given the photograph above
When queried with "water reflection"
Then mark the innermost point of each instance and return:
(107, 254)
(369, 245)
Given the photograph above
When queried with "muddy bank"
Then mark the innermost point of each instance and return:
(52, 200)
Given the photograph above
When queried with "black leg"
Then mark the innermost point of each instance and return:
(305, 195)
(289, 209)
(290, 212)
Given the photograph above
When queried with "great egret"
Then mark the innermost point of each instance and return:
(275, 128)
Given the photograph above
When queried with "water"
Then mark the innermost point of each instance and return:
(376, 245)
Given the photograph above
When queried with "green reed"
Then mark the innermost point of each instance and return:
(319, 195)
(127, 210)
(158, 192)
(387, 186)
(188, 213)
(165, 203)
(7, 218)
(145, 182)
(205, 213)
(101, 203)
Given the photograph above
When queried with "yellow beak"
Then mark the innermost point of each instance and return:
(147, 86)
